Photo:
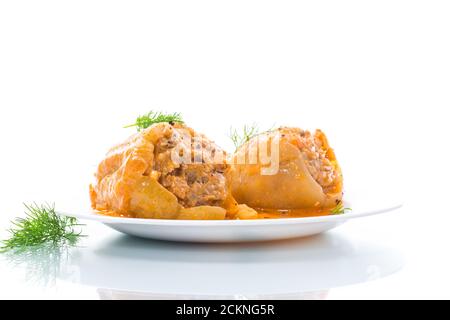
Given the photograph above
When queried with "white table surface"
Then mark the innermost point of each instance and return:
(366, 258)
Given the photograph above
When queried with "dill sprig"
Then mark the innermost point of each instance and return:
(240, 137)
(41, 225)
(146, 120)
(340, 209)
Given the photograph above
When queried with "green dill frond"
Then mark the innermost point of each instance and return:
(340, 209)
(146, 120)
(240, 137)
(41, 225)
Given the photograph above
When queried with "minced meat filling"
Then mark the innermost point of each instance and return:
(194, 184)
(315, 156)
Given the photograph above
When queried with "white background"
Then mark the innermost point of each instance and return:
(374, 75)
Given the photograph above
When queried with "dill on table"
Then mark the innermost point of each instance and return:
(340, 209)
(146, 120)
(40, 225)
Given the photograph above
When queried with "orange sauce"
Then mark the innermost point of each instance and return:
(111, 213)
(262, 213)
(292, 213)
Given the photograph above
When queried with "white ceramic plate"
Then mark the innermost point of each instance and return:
(240, 230)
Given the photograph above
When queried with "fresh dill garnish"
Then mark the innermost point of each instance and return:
(146, 120)
(41, 225)
(243, 136)
(340, 209)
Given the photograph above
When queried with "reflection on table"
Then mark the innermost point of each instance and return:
(124, 267)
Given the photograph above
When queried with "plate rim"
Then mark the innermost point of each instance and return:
(250, 222)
